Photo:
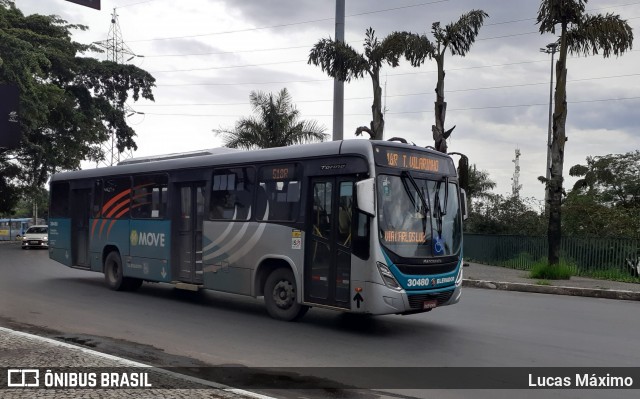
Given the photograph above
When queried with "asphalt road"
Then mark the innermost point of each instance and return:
(168, 327)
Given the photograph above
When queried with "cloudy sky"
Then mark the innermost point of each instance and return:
(208, 55)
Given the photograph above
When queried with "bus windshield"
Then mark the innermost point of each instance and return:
(419, 217)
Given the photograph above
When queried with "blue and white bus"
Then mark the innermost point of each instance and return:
(14, 228)
(360, 226)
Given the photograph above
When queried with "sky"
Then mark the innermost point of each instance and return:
(208, 55)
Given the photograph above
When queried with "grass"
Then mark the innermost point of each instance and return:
(562, 271)
(610, 274)
(543, 282)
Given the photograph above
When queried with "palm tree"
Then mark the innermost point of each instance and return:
(457, 37)
(341, 61)
(276, 125)
(480, 184)
(580, 33)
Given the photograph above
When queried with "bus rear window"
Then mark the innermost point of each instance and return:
(60, 200)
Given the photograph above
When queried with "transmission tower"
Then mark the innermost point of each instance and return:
(515, 185)
(118, 52)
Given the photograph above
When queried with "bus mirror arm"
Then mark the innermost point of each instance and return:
(365, 194)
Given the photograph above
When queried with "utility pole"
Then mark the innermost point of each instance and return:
(516, 186)
(550, 49)
(116, 50)
(338, 86)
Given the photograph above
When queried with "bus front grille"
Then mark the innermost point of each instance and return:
(417, 301)
(440, 268)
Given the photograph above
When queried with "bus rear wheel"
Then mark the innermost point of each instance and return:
(113, 274)
(280, 296)
(113, 271)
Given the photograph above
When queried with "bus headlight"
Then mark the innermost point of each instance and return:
(387, 277)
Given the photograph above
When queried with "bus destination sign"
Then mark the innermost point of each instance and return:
(407, 159)
(278, 173)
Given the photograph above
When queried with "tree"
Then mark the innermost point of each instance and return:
(479, 184)
(276, 124)
(611, 179)
(342, 62)
(497, 214)
(68, 104)
(457, 37)
(605, 201)
(580, 33)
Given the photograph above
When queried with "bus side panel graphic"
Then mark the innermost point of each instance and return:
(231, 251)
(60, 240)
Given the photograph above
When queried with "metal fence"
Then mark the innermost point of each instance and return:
(588, 255)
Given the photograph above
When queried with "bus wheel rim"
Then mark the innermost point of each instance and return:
(284, 294)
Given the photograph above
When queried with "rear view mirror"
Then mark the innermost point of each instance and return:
(366, 195)
(463, 204)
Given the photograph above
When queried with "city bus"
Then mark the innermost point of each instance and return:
(14, 228)
(360, 226)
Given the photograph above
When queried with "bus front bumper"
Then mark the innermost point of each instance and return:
(380, 299)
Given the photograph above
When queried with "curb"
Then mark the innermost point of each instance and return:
(551, 289)
(130, 363)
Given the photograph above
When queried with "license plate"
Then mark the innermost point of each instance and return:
(33, 242)
(430, 304)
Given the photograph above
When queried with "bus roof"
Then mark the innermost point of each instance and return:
(226, 156)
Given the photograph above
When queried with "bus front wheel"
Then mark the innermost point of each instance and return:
(280, 296)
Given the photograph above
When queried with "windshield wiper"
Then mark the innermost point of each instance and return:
(446, 195)
(438, 210)
(425, 207)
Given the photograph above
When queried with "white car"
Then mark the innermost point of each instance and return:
(36, 237)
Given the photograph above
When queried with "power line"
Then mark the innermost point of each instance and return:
(321, 80)
(284, 25)
(230, 66)
(400, 95)
(298, 61)
(416, 112)
(331, 18)
(533, 19)
(134, 4)
(230, 52)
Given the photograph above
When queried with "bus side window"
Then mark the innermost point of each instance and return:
(149, 199)
(282, 189)
(232, 194)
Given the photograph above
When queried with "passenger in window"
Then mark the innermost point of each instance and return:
(219, 201)
(344, 216)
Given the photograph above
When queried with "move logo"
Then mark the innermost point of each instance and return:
(147, 238)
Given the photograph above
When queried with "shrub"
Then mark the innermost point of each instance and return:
(562, 271)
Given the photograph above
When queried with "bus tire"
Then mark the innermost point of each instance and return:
(280, 296)
(113, 273)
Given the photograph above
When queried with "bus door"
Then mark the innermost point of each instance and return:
(327, 272)
(189, 231)
(80, 209)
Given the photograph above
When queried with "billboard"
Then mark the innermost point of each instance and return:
(9, 113)
(89, 3)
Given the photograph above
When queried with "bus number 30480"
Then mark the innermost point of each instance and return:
(418, 282)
